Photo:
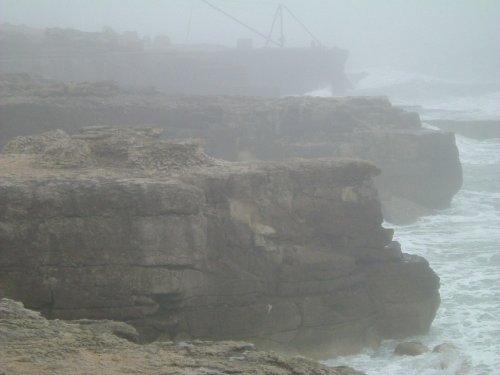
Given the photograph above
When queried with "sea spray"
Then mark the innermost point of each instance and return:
(461, 244)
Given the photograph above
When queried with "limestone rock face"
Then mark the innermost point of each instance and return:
(420, 168)
(290, 255)
(31, 345)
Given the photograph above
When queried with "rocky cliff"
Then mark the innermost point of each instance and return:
(116, 223)
(421, 170)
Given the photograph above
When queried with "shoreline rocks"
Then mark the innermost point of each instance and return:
(411, 348)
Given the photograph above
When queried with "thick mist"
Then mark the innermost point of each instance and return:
(151, 175)
(451, 39)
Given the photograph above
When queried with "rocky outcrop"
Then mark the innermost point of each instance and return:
(421, 170)
(290, 255)
(33, 345)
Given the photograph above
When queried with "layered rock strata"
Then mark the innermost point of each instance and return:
(421, 170)
(290, 255)
(31, 345)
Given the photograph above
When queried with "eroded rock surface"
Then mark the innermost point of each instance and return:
(30, 344)
(290, 255)
(420, 168)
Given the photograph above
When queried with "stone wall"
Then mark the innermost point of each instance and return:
(290, 255)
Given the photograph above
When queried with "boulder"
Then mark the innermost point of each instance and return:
(450, 356)
(410, 348)
(445, 347)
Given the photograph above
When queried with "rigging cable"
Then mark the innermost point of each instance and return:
(276, 14)
(303, 26)
(241, 23)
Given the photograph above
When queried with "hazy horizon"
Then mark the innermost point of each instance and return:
(458, 39)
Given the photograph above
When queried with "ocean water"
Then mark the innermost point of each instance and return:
(440, 98)
(462, 243)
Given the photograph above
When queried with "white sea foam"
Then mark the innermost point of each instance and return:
(387, 79)
(469, 107)
(462, 245)
(441, 98)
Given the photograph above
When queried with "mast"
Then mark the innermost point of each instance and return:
(241, 23)
(277, 15)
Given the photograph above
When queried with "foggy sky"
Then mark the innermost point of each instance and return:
(454, 38)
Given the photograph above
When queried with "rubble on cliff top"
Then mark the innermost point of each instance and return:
(118, 152)
(108, 147)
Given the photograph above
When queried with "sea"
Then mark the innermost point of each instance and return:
(461, 243)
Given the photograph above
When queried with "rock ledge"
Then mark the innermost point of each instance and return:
(30, 344)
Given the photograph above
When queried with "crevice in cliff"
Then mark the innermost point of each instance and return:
(49, 266)
(300, 310)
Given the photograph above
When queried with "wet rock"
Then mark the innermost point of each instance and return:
(410, 348)
(449, 356)
(346, 370)
(444, 348)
